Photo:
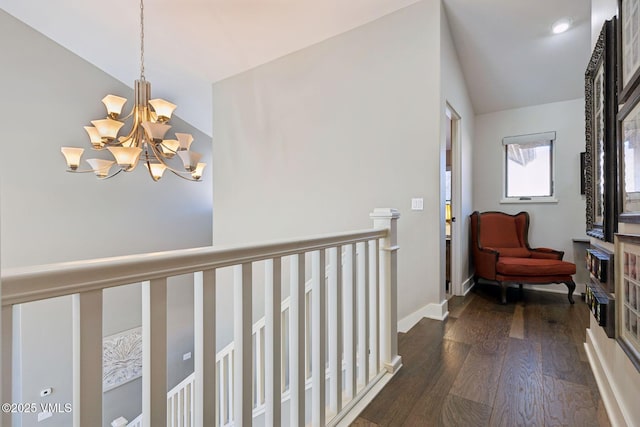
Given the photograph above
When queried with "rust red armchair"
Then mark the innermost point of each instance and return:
(502, 255)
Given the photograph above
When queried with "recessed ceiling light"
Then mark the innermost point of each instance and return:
(561, 25)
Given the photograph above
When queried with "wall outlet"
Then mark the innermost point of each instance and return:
(417, 204)
(44, 415)
(186, 356)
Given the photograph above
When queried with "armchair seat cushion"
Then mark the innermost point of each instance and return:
(510, 266)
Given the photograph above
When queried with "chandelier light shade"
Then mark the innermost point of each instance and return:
(143, 141)
(73, 155)
(101, 167)
(197, 173)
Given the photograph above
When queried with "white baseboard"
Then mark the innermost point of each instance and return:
(352, 413)
(601, 374)
(431, 311)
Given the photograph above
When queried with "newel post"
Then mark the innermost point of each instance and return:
(387, 218)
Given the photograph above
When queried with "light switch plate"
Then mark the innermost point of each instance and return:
(417, 204)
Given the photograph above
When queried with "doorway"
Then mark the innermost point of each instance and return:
(451, 200)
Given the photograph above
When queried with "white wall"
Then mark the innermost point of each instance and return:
(312, 142)
(601, 10)
(553, 225)
(48, 215)
(454, 92)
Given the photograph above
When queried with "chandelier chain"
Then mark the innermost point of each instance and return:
(142, 40)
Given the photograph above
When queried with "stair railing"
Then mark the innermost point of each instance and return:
(344, 337)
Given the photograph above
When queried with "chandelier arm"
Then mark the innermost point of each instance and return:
(179, 174)
(130, 135)
(112, 175)
(168, 148)
(80, 170)
(169, 168)
(135, 127)
(128, 115)
(184, 175)
(158, 156)
(92, 170)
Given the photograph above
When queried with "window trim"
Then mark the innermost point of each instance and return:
(524, 139)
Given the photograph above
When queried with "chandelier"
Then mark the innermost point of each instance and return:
(145, 142)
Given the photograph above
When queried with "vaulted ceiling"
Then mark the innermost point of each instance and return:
(511, 58)
(505, 47)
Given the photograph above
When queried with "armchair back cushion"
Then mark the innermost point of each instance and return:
(503, 231)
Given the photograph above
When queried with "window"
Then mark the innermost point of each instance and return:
(528, 167)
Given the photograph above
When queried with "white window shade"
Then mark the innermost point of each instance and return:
(521, 148)
(532, 138)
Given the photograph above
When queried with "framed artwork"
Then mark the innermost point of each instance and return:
(600, 176)
(628, 296)
(629, 148)
(582, 172)
(628, 47)
(121, 358)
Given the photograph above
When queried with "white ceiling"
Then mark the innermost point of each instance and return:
(510, 58)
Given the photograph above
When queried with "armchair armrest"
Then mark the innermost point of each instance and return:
(546, 253)
(485, 263)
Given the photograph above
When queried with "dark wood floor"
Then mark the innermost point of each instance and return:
(520, 364)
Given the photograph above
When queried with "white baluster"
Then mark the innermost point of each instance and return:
(242, 373)
(192, 402)
(319, 335)
(308, 297)
(174, 409)
(259, 372)
(296, 341)
(230, 386)
(335, 329)
(182, 407)
(187, 405)
(204, 308)
(272, 354)
(87, 359)
(374, 308)
(384, 218)
(350, 331)
(6, 355)
(154, 352)
(363, 313)
(284, 355)
(224, 394)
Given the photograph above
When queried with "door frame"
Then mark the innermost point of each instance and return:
(456, 198)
